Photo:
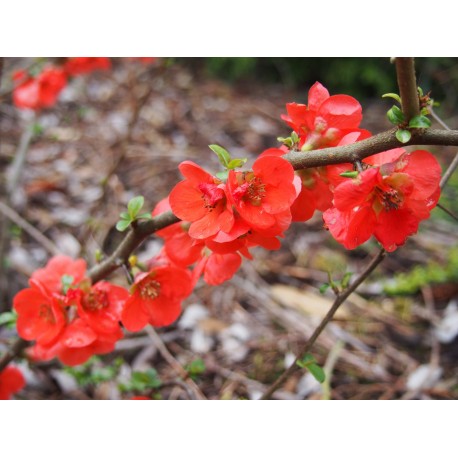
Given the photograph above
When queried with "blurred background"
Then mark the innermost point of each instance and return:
(120, 133)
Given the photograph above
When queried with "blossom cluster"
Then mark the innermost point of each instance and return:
(38, 91)
(224, 216)
(71, 319)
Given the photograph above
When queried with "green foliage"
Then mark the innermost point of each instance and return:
(336, 286)
(142, 381)
(94, 371)
(196, 368)
(419, 276)
(133, 208)
(226, 161)
(8, 319)
(309, 362)
(403, 135)
(395, 115)
(420, 122)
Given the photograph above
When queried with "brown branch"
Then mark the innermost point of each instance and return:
(376, 144)
(340, 299)
(131, 241)
(12, 353)
(407, 82)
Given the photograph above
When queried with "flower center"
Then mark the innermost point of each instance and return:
(45, 313)
(95, 300)
(250, 189)
(211, 194)
(391, 199)
(150, 290)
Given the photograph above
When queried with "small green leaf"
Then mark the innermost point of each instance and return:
(420, 91)
(122, 225)
(235, 163)
(349, 174)
(66, 281)
(395, 115)
(317, 372)
(346, 279)
(37, 129)
(125, 215)
(306, 360)
(223, 155)
(145, 216)
(324, 287)
(134, 206)
(222, 175)
(420, 122)
(8, 319)
(294, 137)
(393, 96)
(288, 141)
(403, 135)
(196, 367)
(424, 111)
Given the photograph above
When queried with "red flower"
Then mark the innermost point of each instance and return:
(263, 197)
(387, 201)
(101, 306)
(201, 199)
(40, 314)
(156, 298)
(326, 120)
(11, 381)
(80, 65)
(38, 92)
(59, 270)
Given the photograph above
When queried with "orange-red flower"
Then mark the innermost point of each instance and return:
(201, 200)
(40, 91)
(388, 200)
(326, 120)
(156, 297)
(11, 381)
(263, 196)
(80, 65)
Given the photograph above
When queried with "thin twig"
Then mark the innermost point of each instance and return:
(340, 299)
(174, 364)
(449, 172)
(15, 350)
(17, 165)
(32, 231)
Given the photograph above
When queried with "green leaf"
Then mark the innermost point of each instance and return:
(395, 115)
(222, 175)
(288, 141)
(134, 206)
(37, 129)
(324, 287)
(145, 216)
(122, 225)
(196, 367)
(125, 215)
(294, 137)
(349, 174)
(223, 155)
(66, 281)
(420, 122)
(403, 135)
(393, 96)
(420, 91)
(346, 279)
(235, 163)
(424, 111)
(8, 319)
(317, 372)
(306, 360)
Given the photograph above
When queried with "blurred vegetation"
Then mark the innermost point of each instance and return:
(358, 76)
(433, 273)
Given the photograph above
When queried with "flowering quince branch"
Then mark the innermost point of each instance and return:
(209, 222)
(340, 299)
(407, 82)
